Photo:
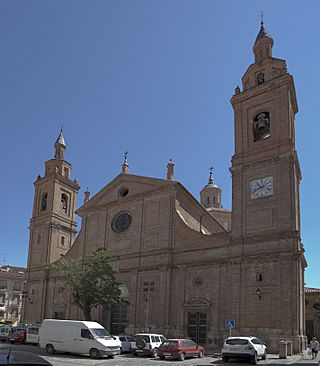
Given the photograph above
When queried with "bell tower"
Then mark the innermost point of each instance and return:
(265, 166)
(265, 198)
(53, 223)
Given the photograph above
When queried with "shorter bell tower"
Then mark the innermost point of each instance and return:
(53, 223)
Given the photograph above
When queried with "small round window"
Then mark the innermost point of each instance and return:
(123, 192)
(121, 222)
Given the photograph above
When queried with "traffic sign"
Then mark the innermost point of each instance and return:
(230, 324)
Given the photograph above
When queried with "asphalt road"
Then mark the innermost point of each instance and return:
(62, 359)
(130, 360)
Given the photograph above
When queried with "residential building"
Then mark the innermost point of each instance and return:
(12, 281)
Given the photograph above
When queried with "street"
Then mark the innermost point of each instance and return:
(127, 359)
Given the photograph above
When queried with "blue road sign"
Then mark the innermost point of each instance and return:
(230, 324)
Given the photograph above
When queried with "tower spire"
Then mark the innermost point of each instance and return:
(263, 44)
(60, 146)
(210, 175)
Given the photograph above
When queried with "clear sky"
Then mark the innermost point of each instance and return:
(151, 77)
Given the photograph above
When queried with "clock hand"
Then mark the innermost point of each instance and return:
(257, 189)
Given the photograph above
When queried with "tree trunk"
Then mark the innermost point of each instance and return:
(87, 312)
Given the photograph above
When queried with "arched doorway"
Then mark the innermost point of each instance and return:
(197, 319)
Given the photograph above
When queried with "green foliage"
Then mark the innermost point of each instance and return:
(92, 280)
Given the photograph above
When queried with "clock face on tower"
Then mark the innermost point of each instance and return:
(261, 187)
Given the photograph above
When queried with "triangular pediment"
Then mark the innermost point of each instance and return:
(122, 187)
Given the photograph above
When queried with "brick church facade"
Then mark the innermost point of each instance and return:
(185, 266)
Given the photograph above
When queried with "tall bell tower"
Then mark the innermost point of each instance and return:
(265, 198)
(265, 166)
(53, 223)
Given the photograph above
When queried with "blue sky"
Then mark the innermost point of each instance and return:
(151, 77)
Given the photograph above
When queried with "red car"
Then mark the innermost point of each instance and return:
(18, 336)
(180, 349)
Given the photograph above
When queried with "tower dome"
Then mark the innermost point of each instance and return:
(210, 195)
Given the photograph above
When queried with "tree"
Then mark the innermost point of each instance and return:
(92, 280)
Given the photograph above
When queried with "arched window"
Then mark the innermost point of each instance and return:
(261, 126)
(44, 200)
(64, 202)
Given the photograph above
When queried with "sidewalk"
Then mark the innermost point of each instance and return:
(300, 358)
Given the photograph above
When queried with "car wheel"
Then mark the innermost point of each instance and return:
(200, 355)
(111, 356)
(181, 357)
(265, 355)
(50, 349)
(225, 359)
(94, 353)
(120, 350)
(135, 353)
(161, 357)
(141, 343)
(155, 353)
(254, 359)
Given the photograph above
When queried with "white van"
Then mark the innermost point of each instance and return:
(32, 335)
(82, 337)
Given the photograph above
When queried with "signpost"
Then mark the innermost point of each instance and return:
(230, 324)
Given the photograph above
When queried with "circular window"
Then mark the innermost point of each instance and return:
(121, 222)
(123, 192)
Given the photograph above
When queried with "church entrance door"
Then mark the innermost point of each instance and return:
(119, 318)
(197, 327)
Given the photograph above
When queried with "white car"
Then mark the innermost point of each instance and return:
(147, 344)
(4, 331)
(244, 347)
(124, 342)
(32, 335)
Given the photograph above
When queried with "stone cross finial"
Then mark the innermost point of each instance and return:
(125, 165)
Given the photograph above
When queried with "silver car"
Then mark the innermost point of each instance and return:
(124, 342)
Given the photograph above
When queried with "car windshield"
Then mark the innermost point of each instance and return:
(237, 342)
(171, 344)
(100, 332)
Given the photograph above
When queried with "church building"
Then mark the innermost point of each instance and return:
(186, 267)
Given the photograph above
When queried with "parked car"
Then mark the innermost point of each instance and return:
(244, 347)
(180, 349)
(4, 331)
(18, 335)
(124, 342)
(81, 337)
(146, 344)
(32, 335)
